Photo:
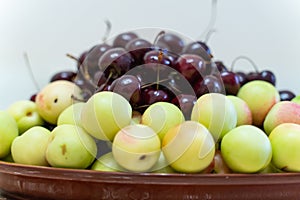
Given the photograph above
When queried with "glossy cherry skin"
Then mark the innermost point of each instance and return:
(172, 42)
(92, 58)
(191, 66)
(286, 95)
(186, 103)
(268, 76)
(138, 47)
(122, 39)
(242, 77)
(128, 86)
(221, 67)
(64, 75)
(115, 62)
(231, 82)
(209, 84)
(152, 95)
(198, 48)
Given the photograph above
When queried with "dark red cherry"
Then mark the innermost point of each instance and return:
(157, 56)
(172, 42)
(209, 84)
(99, 78)
(138, 47)
(198, 48)
(129, 87)
(33, 97)
(191, 66)
(64, 75)
(268, 76)
(81, 58)
(286, 95)
(152, 95)
(122, 39)
(221, 67)
(251, 76)
(92, 58)
(242, 77)
(231, 82)
(115, 62)
(186, 103)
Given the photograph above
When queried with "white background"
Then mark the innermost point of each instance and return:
(267, 31)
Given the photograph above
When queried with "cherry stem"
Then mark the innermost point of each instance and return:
(28, 65)
(107, 31)
(149, 84)
(212, 20)
(209, 34)
(84, 71)
(106, 81)
(72, 57)
(77, 99)
(161, 33)
(244, 58)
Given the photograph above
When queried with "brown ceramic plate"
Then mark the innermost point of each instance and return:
(33, 182)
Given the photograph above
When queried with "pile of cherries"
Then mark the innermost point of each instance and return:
(167, 70)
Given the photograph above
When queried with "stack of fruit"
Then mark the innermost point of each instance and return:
(164, 107)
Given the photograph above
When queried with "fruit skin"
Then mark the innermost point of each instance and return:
(246, 149)
(107, 163)
(282, 112)
(260, 97)
(189, 147)
(55, 97)
(244, 115)
(71, 147)
(285, 140)
(296, 99)
(30, 147)
(26, 115)
(71, 115)
(104, 114)
(8, 132)
(216, 112)
(162, 166)
(136, 148)
(161, 116)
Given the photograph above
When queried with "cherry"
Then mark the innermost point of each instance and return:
(91, 59)
(231, 82)
(242, 77)
(220, 65)
(115, 62)
(186, 103)
(86, 86)
(251, 76)
(286, 95)
(99, 78)
(122, 39)
(152, 95)
(178, 84)
(158, 62)
(157, 56)
(64, 75)
(129, 87)
(33, 97)
(209, 84)
(138, 47)
(268, 76)
(172, 42)
(265, 75)
(81, 58)
(191, 66)
(198, 48)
